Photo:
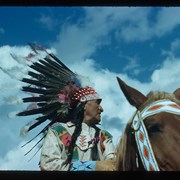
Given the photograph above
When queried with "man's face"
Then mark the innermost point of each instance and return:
(92, 113)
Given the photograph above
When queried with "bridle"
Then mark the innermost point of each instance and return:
(141, 135)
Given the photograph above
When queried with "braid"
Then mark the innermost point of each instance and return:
(77, 119)
(95, 154)
(73, 140)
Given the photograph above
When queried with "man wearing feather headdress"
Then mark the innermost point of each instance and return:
(72, 139)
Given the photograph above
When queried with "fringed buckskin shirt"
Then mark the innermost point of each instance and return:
(55, 148)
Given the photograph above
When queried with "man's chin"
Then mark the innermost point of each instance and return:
(98, 121)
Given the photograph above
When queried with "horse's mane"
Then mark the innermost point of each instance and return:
(158, 95)
(126, 149)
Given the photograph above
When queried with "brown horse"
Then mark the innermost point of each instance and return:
(157, 129)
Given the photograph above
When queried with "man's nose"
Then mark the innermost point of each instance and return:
(100, 108)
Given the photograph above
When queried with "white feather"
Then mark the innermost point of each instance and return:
(19, 59)
(24, 130)
(12, 114)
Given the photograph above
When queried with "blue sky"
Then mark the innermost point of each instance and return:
(139, 44)
(43, 24)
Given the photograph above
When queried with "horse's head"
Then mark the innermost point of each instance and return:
(151, 139)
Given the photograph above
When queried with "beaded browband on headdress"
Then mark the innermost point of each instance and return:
(55, 89)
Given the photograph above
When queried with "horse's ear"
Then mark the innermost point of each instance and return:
(134, 97)
(177, 93)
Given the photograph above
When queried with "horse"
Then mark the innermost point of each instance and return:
(151, 138)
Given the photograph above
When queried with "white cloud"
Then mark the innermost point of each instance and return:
(9, 105)
(47, 21)
(167, 76)
(173, 50)
(15, 159)
(132, 65)
(168, 18)
(76, 42)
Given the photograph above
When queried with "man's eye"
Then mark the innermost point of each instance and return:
(98, 101)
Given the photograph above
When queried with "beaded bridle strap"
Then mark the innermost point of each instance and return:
(141, 135)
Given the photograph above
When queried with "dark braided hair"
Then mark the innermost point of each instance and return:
(95, 154)
(78, 117)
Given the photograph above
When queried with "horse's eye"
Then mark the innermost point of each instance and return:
(154, 128)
